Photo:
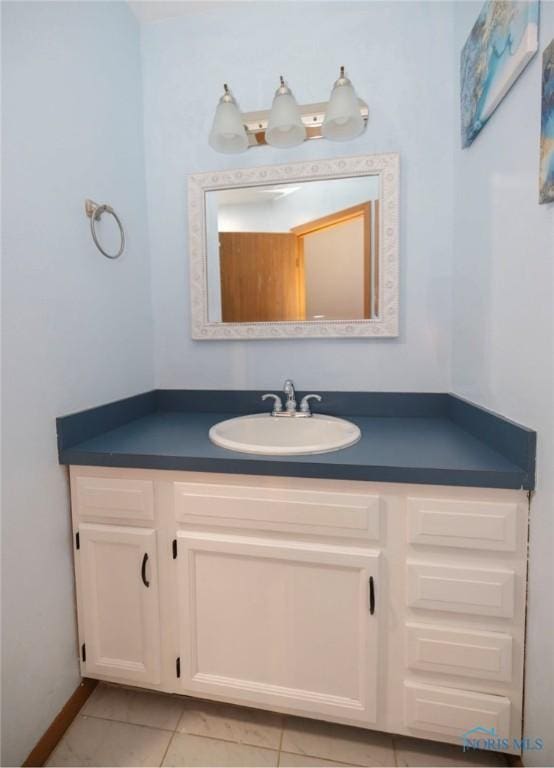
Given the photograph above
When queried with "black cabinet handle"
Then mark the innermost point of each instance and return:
(143, 570)
(371, 595)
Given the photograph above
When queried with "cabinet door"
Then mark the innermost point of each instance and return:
(119, 602)
(279, 623)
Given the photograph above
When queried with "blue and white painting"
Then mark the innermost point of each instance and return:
(547, 127)
(502, 42)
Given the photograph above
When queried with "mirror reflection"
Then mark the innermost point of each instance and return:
(294, 251)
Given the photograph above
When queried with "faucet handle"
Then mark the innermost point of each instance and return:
(277, 404)
(305, 402)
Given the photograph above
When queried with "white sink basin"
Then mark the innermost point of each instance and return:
(281, 436)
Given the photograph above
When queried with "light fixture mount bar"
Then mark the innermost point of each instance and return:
(312, 116)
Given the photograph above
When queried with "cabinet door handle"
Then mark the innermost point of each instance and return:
(371, 595)
(143, 570)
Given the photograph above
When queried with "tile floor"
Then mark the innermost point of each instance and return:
(124, 727)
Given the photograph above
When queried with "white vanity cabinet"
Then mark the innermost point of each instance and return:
(387, 606)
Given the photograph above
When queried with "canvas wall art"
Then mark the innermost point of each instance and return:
(502, 42)
(547, 127)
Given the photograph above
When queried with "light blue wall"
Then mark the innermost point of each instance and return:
(76, 327)
(398, 56)
(503, 325)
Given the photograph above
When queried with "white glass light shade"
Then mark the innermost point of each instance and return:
(285, 127)
(343, 118)
(228, 134)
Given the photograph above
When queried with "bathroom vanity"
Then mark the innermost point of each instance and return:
(356, 587)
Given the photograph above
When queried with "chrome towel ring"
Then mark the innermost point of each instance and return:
(94, 212)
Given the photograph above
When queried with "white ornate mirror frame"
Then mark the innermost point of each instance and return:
(386, 166)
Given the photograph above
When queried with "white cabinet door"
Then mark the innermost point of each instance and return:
(283, 624)
(119, 602)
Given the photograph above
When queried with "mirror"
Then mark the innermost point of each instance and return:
(298, 250)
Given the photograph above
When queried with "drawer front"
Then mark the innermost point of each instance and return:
(293, 511)
(452, 712)
(466, 524)
(101, 498)
(462, 590)
(486, 655)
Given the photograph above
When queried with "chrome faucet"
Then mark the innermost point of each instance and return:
(290, 405)
(288, 389)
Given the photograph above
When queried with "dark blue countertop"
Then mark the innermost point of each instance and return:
(435, 439)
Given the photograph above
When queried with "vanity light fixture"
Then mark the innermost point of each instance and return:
(285, 127)
(228, 134)
(287, 124)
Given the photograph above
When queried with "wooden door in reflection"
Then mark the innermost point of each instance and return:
(262, 277)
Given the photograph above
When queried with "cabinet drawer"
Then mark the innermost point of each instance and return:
(454, 712)
(486, 655)
(287, 510)
(468, 524)
(461, 589)
(101, 498)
